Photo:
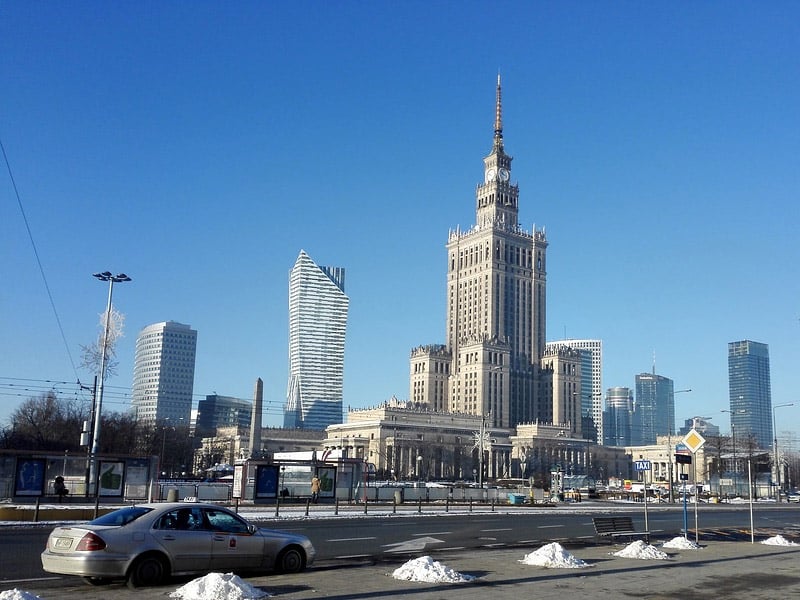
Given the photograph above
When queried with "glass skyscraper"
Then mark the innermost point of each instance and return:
(749, 391)
(655, 408)
(317, 324)
(163, 373)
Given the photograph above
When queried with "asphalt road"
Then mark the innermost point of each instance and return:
(351, 538)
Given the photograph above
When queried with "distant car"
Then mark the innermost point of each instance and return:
(793, 497)
(147, 543)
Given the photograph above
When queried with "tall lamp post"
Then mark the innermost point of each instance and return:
(111, 279)
(775, 448)
(670, 458)
(740, 411)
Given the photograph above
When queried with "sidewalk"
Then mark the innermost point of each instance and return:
(730, 570)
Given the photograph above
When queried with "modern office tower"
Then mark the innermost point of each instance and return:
(496, 283)
(749, 392)
(591, 385)
(617, 418)
(317, 324)
(221, 411)
(163, 373)
(655, 408)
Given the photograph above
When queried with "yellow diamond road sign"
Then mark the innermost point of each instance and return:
(694, 441)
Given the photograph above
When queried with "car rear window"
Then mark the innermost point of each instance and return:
(121, 517)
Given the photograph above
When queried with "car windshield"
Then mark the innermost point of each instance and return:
(121, 517)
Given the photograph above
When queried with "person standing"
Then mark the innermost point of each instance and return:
(314, 489)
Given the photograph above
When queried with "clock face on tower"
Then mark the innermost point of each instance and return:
(490, 175)
(503, 174)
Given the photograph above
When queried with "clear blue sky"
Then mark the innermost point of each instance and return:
(198, 147)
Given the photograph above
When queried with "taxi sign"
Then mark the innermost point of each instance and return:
(693, 441)
(642, 465)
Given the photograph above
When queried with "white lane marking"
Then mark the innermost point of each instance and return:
(498, 529)
(346, 556)
(549, 526)
(415, 545)
(432, 533)
(351, 539)
(30, 580)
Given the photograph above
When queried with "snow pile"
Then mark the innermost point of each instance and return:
(430, 571)
(778, 540)
(16, 594)
(216, 585)
(639, 549)
(682, 543)
(553, 556)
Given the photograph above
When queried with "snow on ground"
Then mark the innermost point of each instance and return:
(778, 540)
(639, 549)
(428, 570)
(16, 594)
(682, 543)
(553, 556)
(215, 586)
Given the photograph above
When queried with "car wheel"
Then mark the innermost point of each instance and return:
(96, 580)
(146, 571)
(291, 560)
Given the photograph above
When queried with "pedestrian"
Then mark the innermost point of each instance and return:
(314, 489)
(59, 488)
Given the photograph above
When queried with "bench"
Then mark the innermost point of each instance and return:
(612, 527)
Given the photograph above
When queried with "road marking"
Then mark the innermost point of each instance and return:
(348, 556)
(433, 533)
(498, 529)
(451, 549)
(30, 580)
(548, 526)
(416, 545)
(351, 539)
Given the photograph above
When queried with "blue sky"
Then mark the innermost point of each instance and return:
(198, 147)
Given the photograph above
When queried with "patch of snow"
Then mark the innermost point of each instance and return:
(639, 549)
(553, 556)
(778, 540)
(16, 594)
(429, 571)
(681, 543)
(215, 586)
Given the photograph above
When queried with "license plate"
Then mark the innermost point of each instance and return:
(63, 542)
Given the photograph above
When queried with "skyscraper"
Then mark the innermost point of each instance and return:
(749, 392)
(655, 408)
(496, 276)
(617, 420)
(221, 411)
(591, 385)
(317, 324)
(163, 373)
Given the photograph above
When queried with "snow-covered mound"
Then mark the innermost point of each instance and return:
(16, 594)
(215, 586)
(428, 570)
(553, 556)
(639, 549)
(778, 540)
(681, 543)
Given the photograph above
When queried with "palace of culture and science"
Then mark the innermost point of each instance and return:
(494, 388)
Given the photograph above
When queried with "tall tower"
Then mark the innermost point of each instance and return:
(617, 420)
(749, 392)
(163, 373)
(655, 408)
(317, 323)
(496, 278)
(591, 385)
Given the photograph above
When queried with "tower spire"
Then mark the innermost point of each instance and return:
(498, 117)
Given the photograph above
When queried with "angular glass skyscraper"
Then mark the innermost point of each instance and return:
(655, 408)
(317, 323)
(163, 373)
(749, 391)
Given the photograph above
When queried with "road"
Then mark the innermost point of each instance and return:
(353, 538)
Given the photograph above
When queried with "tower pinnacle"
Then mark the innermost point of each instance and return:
(498, 118)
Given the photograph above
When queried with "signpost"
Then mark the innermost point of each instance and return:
(693, 442)
(643, 466)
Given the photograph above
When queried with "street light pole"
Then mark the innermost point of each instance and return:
(669, 441)
(111, 279)
(775, 448)
(741, 411)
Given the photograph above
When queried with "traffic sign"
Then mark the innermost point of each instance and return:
(642, 465)
(694, 441)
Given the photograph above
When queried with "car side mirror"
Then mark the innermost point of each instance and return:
(251, 529)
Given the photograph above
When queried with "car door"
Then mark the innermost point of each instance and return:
(182, 534)
(234, 544)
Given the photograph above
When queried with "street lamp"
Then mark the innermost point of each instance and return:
(669, 440)
(775, 448)
(111, 279)
(740, 411)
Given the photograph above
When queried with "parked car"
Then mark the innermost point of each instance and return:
(147, 543)
(793, 496)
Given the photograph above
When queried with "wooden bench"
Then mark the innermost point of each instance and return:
(612, 527)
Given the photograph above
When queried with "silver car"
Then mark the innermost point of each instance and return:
(147, 543)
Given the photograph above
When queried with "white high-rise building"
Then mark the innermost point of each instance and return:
(163, 373)
(591, 385)
(317, 325)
